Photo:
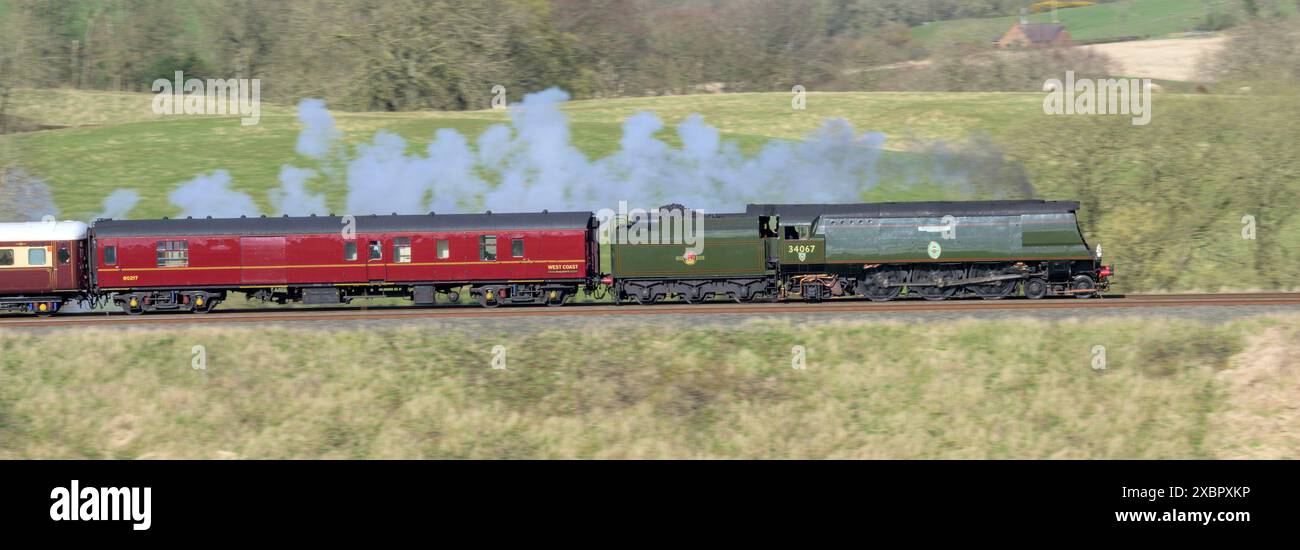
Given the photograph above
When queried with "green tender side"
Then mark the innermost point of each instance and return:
(852, 239)
(732, 247)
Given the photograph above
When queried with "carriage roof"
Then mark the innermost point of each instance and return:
(43, 231)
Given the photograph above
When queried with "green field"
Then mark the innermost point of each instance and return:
(1096, 23)
(114, 141)
(968, 389)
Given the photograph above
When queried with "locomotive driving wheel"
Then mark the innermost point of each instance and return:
(991, 291)
(883, 285)
(934, 278)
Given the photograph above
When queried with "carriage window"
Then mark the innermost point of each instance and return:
(6, 256)
(349, 251)
(173, 253)
(35, 256)
(402, 250)
(487, 248)
(376, 251)
(517, 248)
(444, 251)
(110, 255)
(64, 256)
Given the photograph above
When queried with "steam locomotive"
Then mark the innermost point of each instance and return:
(770, 252)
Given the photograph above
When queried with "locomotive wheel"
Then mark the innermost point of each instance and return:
(935, 293)
(484, 301)
(1083, 282)
(873, 286)
(1035, 288)
(558, 300)
(991, 291)
(129, 309)
(203, 305)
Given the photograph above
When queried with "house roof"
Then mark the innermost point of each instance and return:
(1041, 32)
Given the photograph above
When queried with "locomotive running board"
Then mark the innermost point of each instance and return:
(964, 282)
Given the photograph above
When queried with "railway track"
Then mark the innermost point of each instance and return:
(834, 306)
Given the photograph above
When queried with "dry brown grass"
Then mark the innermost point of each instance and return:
(1172, 59)
(1262, 415)
(967, 389)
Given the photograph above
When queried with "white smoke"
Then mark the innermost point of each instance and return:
(210, 195)
(318, 133)
(24, 198)
(118, 204)
(292, 197)
(531, 164)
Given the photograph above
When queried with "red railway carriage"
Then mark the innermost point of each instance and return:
(41, 265)
(192, 264)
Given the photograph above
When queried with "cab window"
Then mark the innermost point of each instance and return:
(444, 251)
(517, 248)
(487, 248)
(110, 255)
(349, 251)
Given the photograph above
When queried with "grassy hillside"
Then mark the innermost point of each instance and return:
(1143, 18)
(972, 389)
(118, 142)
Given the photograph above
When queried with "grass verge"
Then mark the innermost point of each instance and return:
(965, 389)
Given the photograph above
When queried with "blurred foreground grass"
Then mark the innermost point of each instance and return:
(963, 389)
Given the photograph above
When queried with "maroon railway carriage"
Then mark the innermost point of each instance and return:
(193, 264)
(41, 265)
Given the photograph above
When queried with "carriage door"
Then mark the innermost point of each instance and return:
(375, 267)
(263, 261)
(64, 272)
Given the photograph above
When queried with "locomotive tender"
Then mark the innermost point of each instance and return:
(811, 252)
